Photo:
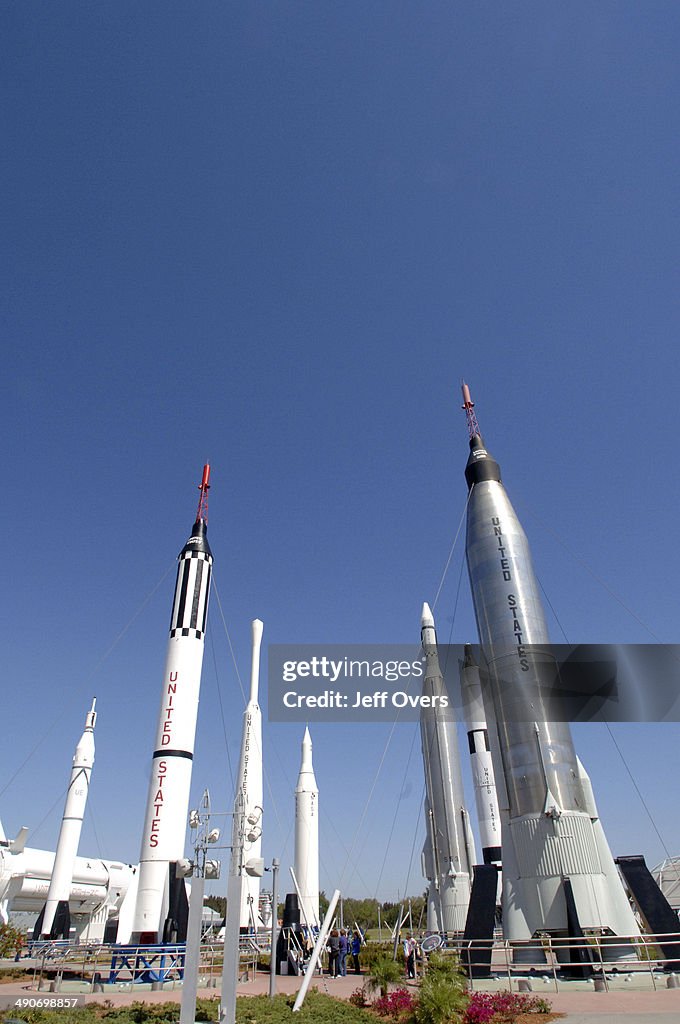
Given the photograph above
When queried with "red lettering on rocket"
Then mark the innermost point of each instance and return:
(161, 771)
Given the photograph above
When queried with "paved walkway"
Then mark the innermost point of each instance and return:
(614, 1018)
(580, 1007)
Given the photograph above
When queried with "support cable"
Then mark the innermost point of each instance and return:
(394, 724)
(64, 708)
(620, 752)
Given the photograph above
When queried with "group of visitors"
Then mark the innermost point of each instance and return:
(339, 946)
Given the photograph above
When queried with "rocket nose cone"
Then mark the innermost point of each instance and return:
(468, 656)
(426, 617)
(306, 760)
(198, 541)
(480, 465)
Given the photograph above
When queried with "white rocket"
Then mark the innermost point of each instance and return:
(54, 921)
(448, 854)
(307, 837)
(483, 779)
(249, 784)
(161, 910)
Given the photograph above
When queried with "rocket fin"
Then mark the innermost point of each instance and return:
(655, 909)
(588, 795)
(61, 926)
(580, 960)
(178, 910)
(37, 927)
(61, 923)
(17, 845)
(551, 806)
(480, 921)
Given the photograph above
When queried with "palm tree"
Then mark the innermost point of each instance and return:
(384, 972)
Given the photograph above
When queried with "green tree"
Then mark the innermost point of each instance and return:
(11, 940)
(217, 903)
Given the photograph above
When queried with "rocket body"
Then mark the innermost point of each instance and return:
(56, 921)
(448, 856)
(307, 836)
(483, 777)
(249, 798)
(168, 800)
(95, 894)
(549, 834)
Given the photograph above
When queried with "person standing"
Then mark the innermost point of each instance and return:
(342, 955)
(410, 955)
(356, 949)
(333, 953)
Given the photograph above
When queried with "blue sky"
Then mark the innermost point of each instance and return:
(275, 236)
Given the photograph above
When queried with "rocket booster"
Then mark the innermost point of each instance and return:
(307, 836)
(554, 858)
(55, 918)
(483, 778)
(249, 799)
(448, 856)
(155, 916)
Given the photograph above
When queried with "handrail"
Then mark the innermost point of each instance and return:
(608, 954)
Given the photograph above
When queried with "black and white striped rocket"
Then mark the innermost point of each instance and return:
(448, 854)
(161, 908)
(558, 872)
(54, 921)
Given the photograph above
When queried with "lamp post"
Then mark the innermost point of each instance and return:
(200, 868)
(275, 929)
(246, 828)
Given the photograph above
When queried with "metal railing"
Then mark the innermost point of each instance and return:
(599, 959)
(562, 960)
(98, 965)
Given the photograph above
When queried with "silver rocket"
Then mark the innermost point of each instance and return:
(161, 908)
(55, 919)
(558, 872)
(448, 854)
(307, 836)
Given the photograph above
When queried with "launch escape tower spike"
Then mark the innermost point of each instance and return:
(204, 487)
(469, 406)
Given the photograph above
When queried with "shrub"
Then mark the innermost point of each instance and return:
(358, 998)
(384, 972)
(446, 965)
(373, 951)
(441, 1000)
(502, 1007)
(11, 940)
(443, 991)
(399, 1004)
(317, 1009)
